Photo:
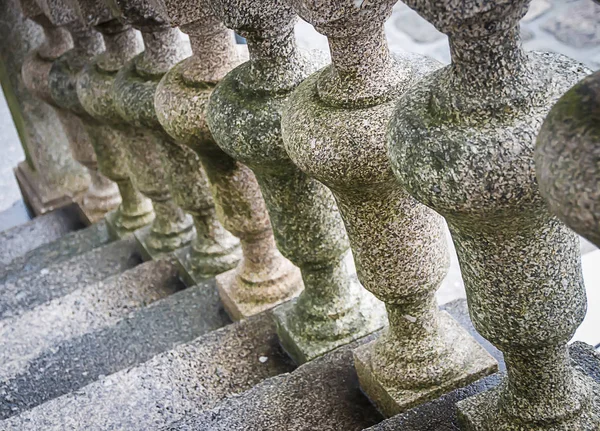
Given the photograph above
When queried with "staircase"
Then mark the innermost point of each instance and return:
(193, 318)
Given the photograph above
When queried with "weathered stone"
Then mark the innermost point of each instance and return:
(568, 158)
(49, 177)
(191, 378)
(323, 394)
(441, 414)
(110, 137)
(214, 249)
(263, 278)
(89, 308)
(75, 363)
(461, 141)
(306, 223)
(35, 288)
(58, 89)
(334, 129)
(67, 246)
(21, 239)
(577, 25)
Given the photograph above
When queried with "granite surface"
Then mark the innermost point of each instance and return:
(77, 362)
(58, 279)
(192, 377)
(21, 239)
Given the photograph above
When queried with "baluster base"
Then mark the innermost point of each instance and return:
(195, 267)
(153, 245)
(363, 319)
(483, 412)
(244, 298)
(120, 226)
(391, 400)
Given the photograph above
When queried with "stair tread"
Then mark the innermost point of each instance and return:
(84, 310)
(73, 363)
(61, 249)
(58, 279)
(192, 376)
(323, 394)
(20, 239)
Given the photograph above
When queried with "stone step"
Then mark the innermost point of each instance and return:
(190, 378)
(67, 246)
(41, 230)
(323, 394)
(76, 361)
(58, 279)
(90, 308)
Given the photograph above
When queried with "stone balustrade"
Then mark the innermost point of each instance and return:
(461, 142)
(111, 136)
(334, 129)
(54, 82)
(244, 115)
(263, 278)
(366, 158)
(214, 249)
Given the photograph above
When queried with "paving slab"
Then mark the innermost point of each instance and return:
(67, 246)
(74, 363)
(20, 239)
(323, 394)
(35, 288)
(192, 377)
(441, 414)
(27, 336)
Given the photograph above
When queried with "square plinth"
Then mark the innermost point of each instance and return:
(302, 349)
(38, 194)
(482, 413)
(238, 310)
(391, 401)
(188, 276)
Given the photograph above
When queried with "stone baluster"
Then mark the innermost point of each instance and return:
(102, 195)
(244, 115)
(133, 96)
(214, 250)
(334, 129)
(109, 135)
(37, 66)
(567, 158)
(263, 278)
(461, 142)
(49, 177)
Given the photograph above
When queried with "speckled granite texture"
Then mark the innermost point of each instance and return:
(110, 137)
(568, 158)
(190, 378)
(263, 278)
(144, 333)
(133, 97)
(24, 238)
(102, 195)
(334, 129)
(60, 249)
(469, 156)
(214, 250)
(333, 309)
(89, 308)
(49, 167)
(35, 288)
